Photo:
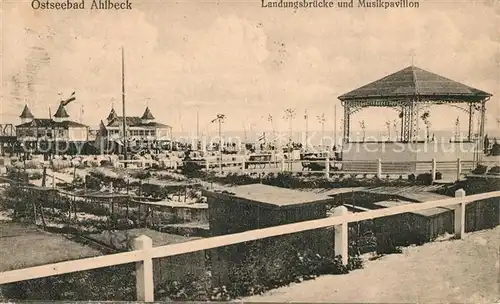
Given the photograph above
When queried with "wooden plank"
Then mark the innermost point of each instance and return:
(69, 267)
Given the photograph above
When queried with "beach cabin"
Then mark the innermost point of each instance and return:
(259, 206)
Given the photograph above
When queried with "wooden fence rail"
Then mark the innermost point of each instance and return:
(144, 252)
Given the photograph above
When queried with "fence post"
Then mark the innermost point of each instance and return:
(283, 164)
(341, 236)
(207, 164)
(460, 215)
(379, 168)
(327, 166)
(459, 168)
(434, 169)
(144, 270)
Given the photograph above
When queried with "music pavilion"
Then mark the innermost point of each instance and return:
(410, 91)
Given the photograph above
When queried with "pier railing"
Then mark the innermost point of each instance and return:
(145, 253)
(330, 168)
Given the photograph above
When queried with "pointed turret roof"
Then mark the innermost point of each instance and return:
(61, 112)
(26, 113)
(414, 81)
(112, 115)
(147, 114)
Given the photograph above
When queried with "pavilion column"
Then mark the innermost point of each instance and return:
(471, 119)
(409, 121)
(402, 128)
(347, 122)
(481, 130)
(416, 121)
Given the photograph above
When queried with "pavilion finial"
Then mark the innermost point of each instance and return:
(412, 56)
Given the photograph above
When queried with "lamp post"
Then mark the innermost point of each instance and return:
(363, 128)
(321, 119)
(306, 118)
(290, 115)
(388, 125)
(220, 119)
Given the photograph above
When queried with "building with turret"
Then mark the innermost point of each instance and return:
(141, 131)
(54, 135)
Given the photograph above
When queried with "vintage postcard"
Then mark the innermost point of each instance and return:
(313, 151)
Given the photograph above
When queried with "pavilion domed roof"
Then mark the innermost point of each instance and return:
(414, 81)
(61, 112)
(147, 114)
(112, 114)
(26, 113)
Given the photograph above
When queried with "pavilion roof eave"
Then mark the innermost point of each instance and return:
(423, 97)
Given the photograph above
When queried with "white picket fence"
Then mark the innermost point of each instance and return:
(144, 252)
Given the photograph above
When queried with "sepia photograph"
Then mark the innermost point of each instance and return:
(265, 151)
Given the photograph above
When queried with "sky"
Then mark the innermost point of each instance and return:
(239, 59)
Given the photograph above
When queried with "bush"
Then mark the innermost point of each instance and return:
(494, 170)
(33, 165)
(35, 176)
(141, 175)
(425, 178)
(495, 149)
(480, 169)
(112, 283)
(105, 163)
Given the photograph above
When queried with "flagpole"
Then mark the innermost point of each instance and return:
(197, 127)
(245, 136)
(123, 106)
(335, 127)
(323, 131)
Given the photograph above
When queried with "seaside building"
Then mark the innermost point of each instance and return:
(142, 132)
(55, 135)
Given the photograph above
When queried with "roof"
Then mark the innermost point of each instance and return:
(334, 191)
(112, 114)
(413, 193)
(276, 196)
(427, 212)
(134, 121)
(61, 112)
(147, 114)
(413, 81)
(26, 113)
(49, 123)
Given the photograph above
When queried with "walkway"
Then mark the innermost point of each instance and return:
(458, 271)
